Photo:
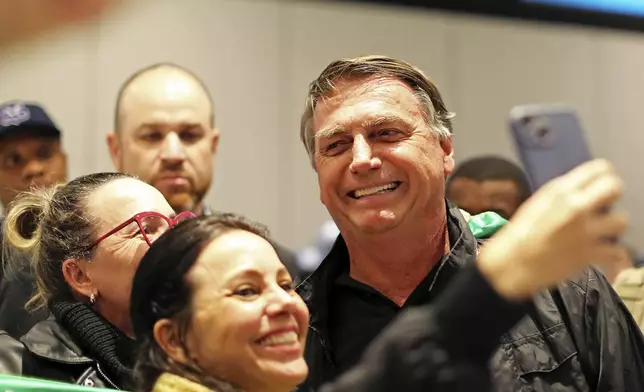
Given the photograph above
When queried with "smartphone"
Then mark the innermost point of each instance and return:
(549, 140)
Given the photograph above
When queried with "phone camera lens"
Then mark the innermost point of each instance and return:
(542, 133)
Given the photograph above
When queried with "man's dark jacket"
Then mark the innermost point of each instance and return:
(577, 337)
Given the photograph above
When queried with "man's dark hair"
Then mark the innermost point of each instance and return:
(487, 168)
(128, 82)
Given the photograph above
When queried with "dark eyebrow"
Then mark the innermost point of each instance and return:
(182, 124)
(145, 126)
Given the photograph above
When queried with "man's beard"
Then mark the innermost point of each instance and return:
(181, 202)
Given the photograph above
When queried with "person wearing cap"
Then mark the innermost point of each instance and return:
(31, 154)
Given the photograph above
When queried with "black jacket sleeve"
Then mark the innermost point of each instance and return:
(610, 344)
(440, 347)
(11, 353)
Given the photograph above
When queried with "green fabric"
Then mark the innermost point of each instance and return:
(26, 384)
(486, 224)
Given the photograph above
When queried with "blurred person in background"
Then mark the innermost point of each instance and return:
(493, 183)
(23, 20)
(628, 281)
(628, 259)
(488, 183)
(310, 257)
(379, 137)
(165, 134)
(31, 154)
(84, 240)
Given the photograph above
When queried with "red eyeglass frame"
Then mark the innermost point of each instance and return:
(140, 216)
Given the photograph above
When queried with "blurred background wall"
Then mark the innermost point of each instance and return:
(257, 57)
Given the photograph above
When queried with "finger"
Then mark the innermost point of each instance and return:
(608, 226)
(607, 253)
(586, 173)
(601, 193)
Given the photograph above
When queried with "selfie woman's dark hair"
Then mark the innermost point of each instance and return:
(160, 291)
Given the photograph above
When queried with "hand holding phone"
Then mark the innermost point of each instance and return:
(550, 142)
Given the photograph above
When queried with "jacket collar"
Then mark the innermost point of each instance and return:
(169, 382)
(315, 288)
(48, 340)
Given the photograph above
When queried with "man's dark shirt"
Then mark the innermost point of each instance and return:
(359, 313)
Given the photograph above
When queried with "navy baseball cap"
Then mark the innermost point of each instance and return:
(20, 116)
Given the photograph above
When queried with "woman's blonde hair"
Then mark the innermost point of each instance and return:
(45, 227)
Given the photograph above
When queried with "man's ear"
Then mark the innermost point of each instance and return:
(166, 334)
(215, 140)
(77, 277)
(448, 157)
(115, 149)
(63, 156)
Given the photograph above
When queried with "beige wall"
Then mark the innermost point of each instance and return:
(258, 57)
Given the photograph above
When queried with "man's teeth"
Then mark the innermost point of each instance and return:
(376, 189)
(282, 338)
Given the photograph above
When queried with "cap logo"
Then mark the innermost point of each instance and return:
(14, 114)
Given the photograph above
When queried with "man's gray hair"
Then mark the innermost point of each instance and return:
(436, 114)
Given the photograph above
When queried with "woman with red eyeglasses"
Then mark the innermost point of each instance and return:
(85, 240)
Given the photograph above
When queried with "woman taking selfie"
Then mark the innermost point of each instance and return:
(215, 310)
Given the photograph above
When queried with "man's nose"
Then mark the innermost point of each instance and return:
(33, 171)
(172, 150)
(363, 158)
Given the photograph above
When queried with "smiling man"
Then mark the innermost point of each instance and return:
(379, 137)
